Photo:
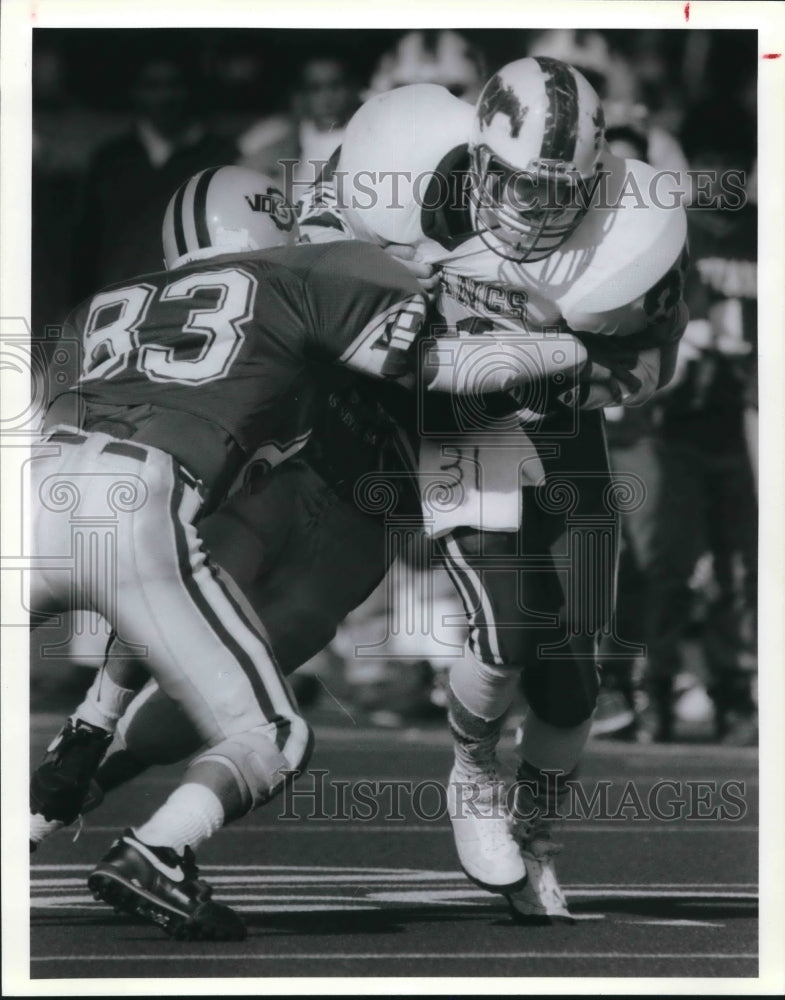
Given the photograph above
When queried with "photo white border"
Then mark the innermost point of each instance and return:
(18, 17)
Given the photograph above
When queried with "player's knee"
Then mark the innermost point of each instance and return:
(261, 768)
(563, 695)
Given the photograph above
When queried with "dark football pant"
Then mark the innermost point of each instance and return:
(302, 556)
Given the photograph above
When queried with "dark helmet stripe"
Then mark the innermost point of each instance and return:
(200, 206)
(177, 213)
(561, 124)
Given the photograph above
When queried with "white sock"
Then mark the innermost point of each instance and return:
(190, 815)
(485, 691)
(478, 697)
(104, 703)
(552, 748)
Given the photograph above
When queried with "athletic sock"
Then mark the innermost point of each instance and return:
(478, 697)
(104, 703)
(484, 691)
(190, 815)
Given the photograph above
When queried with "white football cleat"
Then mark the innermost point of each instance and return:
(482, 828)
(541, 899)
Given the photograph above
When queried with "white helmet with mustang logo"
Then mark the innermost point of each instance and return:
(535, 146)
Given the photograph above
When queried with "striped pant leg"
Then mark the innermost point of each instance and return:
(518, 594)
(206, 652)
(539, 598)
(487, 590)
(159, 589)
(304, 559)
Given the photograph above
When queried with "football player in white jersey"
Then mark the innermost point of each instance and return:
(530, 224)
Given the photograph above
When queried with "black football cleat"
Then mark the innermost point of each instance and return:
(61, 788)
(162, 887)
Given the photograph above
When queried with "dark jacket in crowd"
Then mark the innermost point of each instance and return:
(125, 197)
(706, 408)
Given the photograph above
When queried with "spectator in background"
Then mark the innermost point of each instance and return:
(708, 501)
(442, 57)
(130, 179)
(64, 130)
(324, 99)
(54, 188)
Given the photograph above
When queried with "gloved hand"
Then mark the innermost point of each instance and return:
(628, 370)
(616, 385)
(427, 274)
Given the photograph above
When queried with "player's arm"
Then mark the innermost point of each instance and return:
(498, 362)
(394, 345)
(322, 220)
(368, 314)
(632, 351)
(365, 312)
(319, 214)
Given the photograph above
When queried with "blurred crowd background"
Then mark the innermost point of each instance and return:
(121, 117)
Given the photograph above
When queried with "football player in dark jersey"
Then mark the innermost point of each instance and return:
(187, 374)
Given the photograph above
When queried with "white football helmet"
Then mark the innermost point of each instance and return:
(538, 133)
(226, 210)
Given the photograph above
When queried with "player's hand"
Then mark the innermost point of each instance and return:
(607, 376)
(426, 274)
(628, 382)
(598, 388)
(601, 387)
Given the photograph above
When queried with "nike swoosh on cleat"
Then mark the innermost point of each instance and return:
(174, 874)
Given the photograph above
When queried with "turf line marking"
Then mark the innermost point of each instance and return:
(293, 956)
(662, 894)
(676, 923)
(424, 875)
(346, 906)
(425, 886)
(337, 869)
(305, 879)
(340, 826)
(422, 896)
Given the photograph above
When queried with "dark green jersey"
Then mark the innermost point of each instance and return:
(221, 357)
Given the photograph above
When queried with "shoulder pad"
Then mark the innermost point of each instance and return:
(634, 233)
(390, 151)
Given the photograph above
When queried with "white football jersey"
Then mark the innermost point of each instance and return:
(401, 175)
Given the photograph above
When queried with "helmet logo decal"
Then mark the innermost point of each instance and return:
(218, 211)
(275, 205)
(498, 99)
(598, 121)
(561, 121)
